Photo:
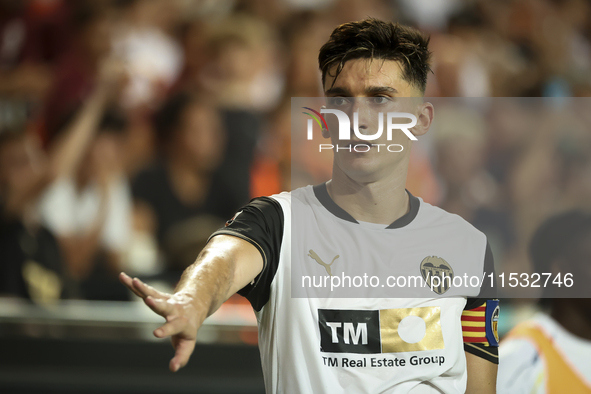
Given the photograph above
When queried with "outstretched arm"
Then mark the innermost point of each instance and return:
(223, 267)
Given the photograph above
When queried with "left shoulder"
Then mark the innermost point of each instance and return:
(437, 219)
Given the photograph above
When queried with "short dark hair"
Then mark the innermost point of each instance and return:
(562, 236)
(168, 120)
(562, 239)
(375, 39)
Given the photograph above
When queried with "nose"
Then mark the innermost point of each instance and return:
(364, 115)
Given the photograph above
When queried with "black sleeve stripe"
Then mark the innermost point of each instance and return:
(259, 222)
(474, 303)
(489, 353)
(486, 291)
(244, 237)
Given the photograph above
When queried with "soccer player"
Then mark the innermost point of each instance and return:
(549, 353)
(360, 345)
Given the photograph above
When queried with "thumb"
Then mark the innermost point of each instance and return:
(183, 350)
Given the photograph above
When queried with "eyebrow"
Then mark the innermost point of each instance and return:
(338, 91)
(369, 90)
(380, 89)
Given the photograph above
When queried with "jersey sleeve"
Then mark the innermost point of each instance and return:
(480, 317)
(261, 224)
(521, 369)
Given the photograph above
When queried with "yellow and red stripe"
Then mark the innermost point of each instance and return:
(474, 325)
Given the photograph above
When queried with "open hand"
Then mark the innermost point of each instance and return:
(183, 319)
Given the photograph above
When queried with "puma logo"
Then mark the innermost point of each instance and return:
(322, 263)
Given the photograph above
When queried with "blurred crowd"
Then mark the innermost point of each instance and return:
(131, 129)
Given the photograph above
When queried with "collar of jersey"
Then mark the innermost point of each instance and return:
(321, 193)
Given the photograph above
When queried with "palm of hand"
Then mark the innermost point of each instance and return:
(182, 318)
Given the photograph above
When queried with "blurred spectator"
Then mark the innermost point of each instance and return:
(273, 12)
(551, 169)
(30, 257)
(32, 37)
(78, 69)
(469, 190)
(144, 43)
(272, 167)
(90, 212)
(88, 204)
(351, 10)
(244, 71)
(178, 200)
(549, 353)
(243, 129)
(32, 264)
(194, 39)
(305, 34)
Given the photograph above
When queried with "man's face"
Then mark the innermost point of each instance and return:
(201, 137)
(20, 162)
(377, 86)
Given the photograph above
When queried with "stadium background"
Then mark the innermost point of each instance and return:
(190, 92)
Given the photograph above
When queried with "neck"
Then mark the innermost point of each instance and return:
(382, 202)
(572, 317)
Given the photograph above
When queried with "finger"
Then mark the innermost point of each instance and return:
(145, 289)
(159, 306)
(127, 281)
(183, 352)
(173, 327)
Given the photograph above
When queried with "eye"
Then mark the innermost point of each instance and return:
(380, 100)
(338, 101)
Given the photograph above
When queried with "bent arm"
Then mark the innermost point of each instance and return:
(67, 151)
(482, 375)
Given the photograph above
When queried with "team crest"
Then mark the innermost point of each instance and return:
(494, 323)
(432, 266)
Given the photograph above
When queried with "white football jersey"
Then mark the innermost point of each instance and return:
(374, 337)
(524, 369)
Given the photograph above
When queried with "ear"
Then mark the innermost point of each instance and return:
(424, 119)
